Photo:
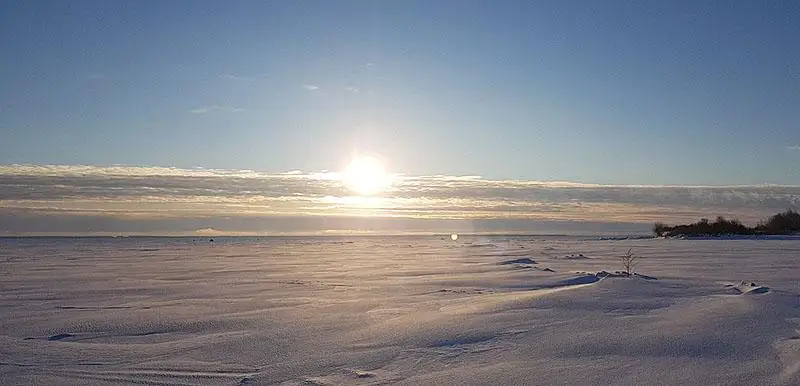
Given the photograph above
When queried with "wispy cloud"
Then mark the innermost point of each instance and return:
(352, 89)
(238, 78)
(158, 198)
(794, 148)
(310, 87)
(207, 231)
(216, 108)
(203, 110)
(96, 76)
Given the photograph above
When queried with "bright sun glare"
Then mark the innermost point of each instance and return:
(366, 176)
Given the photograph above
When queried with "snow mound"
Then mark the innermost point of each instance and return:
(606, 274)
(747, 288)
(347, 377)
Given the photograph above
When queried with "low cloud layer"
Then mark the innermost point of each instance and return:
(149, 200)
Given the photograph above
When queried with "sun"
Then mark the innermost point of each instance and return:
(366, 175)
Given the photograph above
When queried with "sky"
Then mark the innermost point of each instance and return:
(607, 96)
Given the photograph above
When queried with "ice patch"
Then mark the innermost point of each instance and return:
(481, 245)
(578, 256)
(578, 280)
(523, 260)
(59, 336)
(467, 291)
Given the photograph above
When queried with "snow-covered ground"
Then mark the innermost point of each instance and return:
(404, 310)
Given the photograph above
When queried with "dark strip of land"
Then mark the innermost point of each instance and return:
(785, 223)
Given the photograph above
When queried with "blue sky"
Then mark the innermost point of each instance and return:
(613, 92)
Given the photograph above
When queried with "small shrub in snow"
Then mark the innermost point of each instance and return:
(629, 261)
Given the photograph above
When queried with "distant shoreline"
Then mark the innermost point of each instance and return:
(782, 224)
(735, 237)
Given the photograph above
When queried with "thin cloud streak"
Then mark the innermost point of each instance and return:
(203, 110)
(234, 77)
(216, 108)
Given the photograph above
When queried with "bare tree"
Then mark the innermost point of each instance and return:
(629, 261)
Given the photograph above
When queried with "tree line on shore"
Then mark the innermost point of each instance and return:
(784, 223)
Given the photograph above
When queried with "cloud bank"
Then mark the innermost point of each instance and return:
(44, 199)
